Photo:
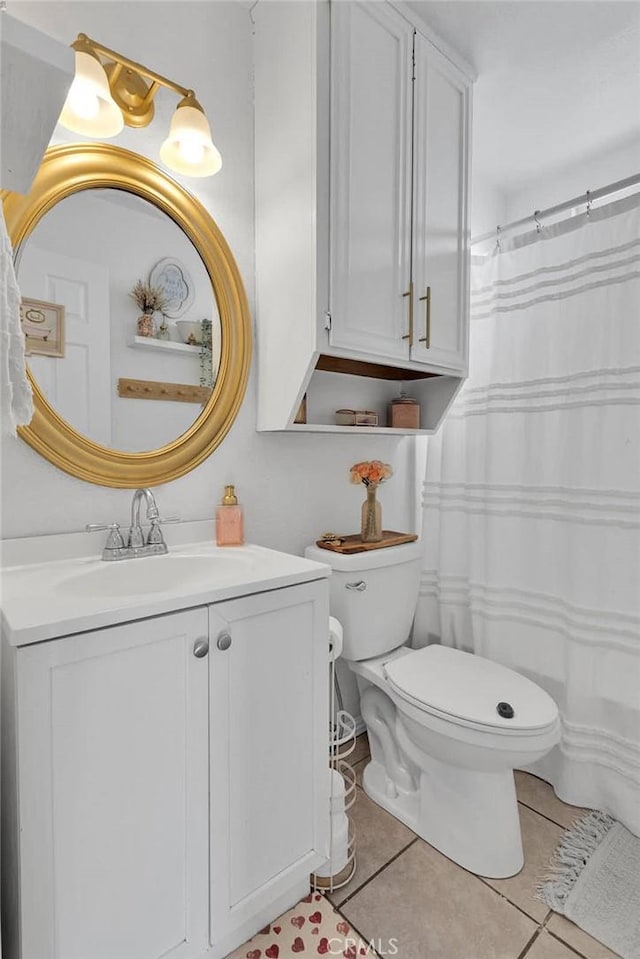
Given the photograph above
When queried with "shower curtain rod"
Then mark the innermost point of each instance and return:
(534, 218)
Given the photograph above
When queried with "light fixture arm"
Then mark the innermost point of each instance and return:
(110, 90)
(85, 44)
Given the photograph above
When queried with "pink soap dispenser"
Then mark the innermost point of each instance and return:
(229, 520)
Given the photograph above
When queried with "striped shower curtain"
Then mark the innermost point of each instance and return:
(532, 494)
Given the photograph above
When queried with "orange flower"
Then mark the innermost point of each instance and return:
(370, 472)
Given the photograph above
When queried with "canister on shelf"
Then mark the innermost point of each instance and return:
(405, 413)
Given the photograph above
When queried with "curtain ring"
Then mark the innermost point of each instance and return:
(589, 202)
(536, 217)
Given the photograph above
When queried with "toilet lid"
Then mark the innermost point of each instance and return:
(470, 689)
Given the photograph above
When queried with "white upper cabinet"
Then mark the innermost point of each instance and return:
(371, 67)
(361, 151)
(398, 248)
(440, 146)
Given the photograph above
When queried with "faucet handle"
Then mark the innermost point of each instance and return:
(114, 539)
(155, 536)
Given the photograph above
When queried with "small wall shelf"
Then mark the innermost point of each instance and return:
(328, 428)
(162, 346)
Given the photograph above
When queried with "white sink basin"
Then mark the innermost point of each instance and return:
(155, 574)
(49, 589)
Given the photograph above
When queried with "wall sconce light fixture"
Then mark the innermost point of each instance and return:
(110, 91)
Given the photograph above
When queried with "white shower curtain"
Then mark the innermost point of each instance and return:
(532, 495)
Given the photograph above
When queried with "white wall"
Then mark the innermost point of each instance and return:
(292, 487)
(594, 171)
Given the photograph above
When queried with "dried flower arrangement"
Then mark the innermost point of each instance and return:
(148, 298)
(370, 472)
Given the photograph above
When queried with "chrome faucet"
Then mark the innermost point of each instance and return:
(136, 536)
(137, 545)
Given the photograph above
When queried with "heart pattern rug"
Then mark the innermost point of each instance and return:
(312, 928)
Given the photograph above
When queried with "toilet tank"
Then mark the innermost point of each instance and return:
(374, 595)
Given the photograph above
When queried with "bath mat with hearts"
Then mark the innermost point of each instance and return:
(312, 928)
(594, 881)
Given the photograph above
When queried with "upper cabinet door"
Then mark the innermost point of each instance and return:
(371, 53)
(440, 247)
(113, 780)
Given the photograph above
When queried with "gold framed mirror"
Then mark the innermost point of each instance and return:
(65, 172)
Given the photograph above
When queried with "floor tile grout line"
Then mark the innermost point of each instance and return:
(357, 932)
(544, 816)
(538, 922)
(568, 945)
(524, 952)
(376, 873)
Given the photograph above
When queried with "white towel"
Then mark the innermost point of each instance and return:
(16, 398)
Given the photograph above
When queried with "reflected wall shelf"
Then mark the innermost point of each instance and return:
(163, 346)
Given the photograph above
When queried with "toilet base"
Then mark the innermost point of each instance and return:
(469, 816)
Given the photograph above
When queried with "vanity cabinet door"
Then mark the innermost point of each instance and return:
(371, 50)
(113, 785)
(440, 244)
(269, 755)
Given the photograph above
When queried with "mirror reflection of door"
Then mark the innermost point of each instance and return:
(77, 385)
(86, 253)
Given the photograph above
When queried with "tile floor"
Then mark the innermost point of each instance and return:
(411, 902)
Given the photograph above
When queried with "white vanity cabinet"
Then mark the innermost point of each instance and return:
(362, 176)
(269, 767)
(165, 780)
(112, 766)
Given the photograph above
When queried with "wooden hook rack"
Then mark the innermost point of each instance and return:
(155, 390)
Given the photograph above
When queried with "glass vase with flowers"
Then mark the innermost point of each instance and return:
(371, 473)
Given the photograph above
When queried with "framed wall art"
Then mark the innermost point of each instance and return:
(43, 327)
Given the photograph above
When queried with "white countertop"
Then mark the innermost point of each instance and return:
(45, 599)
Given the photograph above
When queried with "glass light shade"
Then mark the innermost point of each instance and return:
(89, 108)
(188, 149)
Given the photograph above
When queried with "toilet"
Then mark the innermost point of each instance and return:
(446, 728)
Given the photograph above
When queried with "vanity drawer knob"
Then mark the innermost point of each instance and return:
(201, 648)
(224, 641)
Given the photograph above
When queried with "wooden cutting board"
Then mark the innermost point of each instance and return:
(354, 544)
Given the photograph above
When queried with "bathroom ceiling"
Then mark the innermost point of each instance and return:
(558, 81)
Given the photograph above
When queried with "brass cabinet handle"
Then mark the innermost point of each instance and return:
(427, 338)
(409, 335)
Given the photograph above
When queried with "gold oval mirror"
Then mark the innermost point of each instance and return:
(97, 219)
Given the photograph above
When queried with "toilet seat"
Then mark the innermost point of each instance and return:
(466, 689)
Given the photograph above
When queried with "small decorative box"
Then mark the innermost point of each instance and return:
(366, 418)
(345, 417)
(356, 418)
